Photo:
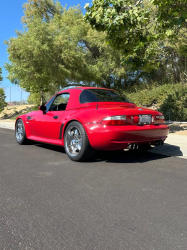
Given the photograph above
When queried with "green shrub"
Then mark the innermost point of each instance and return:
(2, 99)
(169, 98)
(175, 106)
(156, 95)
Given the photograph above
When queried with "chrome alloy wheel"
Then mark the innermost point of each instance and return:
(73, 141)
(19, 131)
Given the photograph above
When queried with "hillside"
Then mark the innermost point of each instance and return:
(13, 111)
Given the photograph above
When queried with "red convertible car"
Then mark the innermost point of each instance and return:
(85, 119)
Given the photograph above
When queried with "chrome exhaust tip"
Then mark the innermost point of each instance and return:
(133, 146)
(136, 146)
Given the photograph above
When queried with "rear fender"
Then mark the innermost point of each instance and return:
(62, 132)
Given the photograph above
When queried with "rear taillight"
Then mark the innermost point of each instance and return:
(158, 119)
(114, 120)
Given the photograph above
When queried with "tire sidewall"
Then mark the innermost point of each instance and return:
(24, 134)
(83, 146)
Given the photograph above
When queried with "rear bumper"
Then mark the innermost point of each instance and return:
(104, 137)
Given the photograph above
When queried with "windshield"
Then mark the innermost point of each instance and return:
(102, 95)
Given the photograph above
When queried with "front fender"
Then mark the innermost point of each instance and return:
(24, 119)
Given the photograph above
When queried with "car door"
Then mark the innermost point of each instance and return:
(47, 124)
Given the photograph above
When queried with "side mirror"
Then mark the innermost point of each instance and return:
(42, 108)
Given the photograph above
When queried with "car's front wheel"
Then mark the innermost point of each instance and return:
(20, 132)
(76, 143)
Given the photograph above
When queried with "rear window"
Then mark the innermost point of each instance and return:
(102, 95)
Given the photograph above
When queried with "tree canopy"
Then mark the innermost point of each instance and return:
(132, 24)
(151, 35)
(122, 43)
(57, 47)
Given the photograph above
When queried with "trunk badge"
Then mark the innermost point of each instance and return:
(140, 109)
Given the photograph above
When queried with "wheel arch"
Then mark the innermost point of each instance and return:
(66, 125)
(85, 152)
(24, 122)
(19, 118)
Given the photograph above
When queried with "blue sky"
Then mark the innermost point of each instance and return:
(10, 20)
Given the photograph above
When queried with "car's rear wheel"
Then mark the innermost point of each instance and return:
(20, 132)
(76, 143)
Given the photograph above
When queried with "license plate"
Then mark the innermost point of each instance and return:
(145, 119)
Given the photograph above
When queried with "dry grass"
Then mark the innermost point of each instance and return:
(10, 111)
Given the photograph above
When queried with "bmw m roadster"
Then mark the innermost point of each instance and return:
(85, 119)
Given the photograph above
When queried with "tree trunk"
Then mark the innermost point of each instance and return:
(42, 97)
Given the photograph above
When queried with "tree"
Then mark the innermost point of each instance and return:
(172, 20)
(171, 14)
(128, 25)
(31, 52)
(151, 35)
(57, 48)
(2, 94)
(1, 78)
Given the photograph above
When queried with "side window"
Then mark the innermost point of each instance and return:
(60, 102)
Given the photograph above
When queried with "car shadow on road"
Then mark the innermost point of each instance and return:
(169, 149)
(112, 156)
(128, 156)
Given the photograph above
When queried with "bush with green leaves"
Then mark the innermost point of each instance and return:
(171, 100)
(2, 99)
(175, 106)
(154, 94)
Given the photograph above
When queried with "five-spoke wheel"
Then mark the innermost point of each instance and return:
(20, 132)
(76, 142)
(73, 141)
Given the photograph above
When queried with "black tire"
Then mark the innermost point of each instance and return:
(22, 139)
(85, 152)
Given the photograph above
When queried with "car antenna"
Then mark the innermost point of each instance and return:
(97, 106)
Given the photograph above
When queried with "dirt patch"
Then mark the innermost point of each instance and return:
(179, 129)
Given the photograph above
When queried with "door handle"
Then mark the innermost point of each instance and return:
(55, 117)
(29, 118)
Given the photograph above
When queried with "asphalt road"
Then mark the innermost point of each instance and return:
(118, 201)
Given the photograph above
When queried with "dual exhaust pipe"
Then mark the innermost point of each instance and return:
(135, 146)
